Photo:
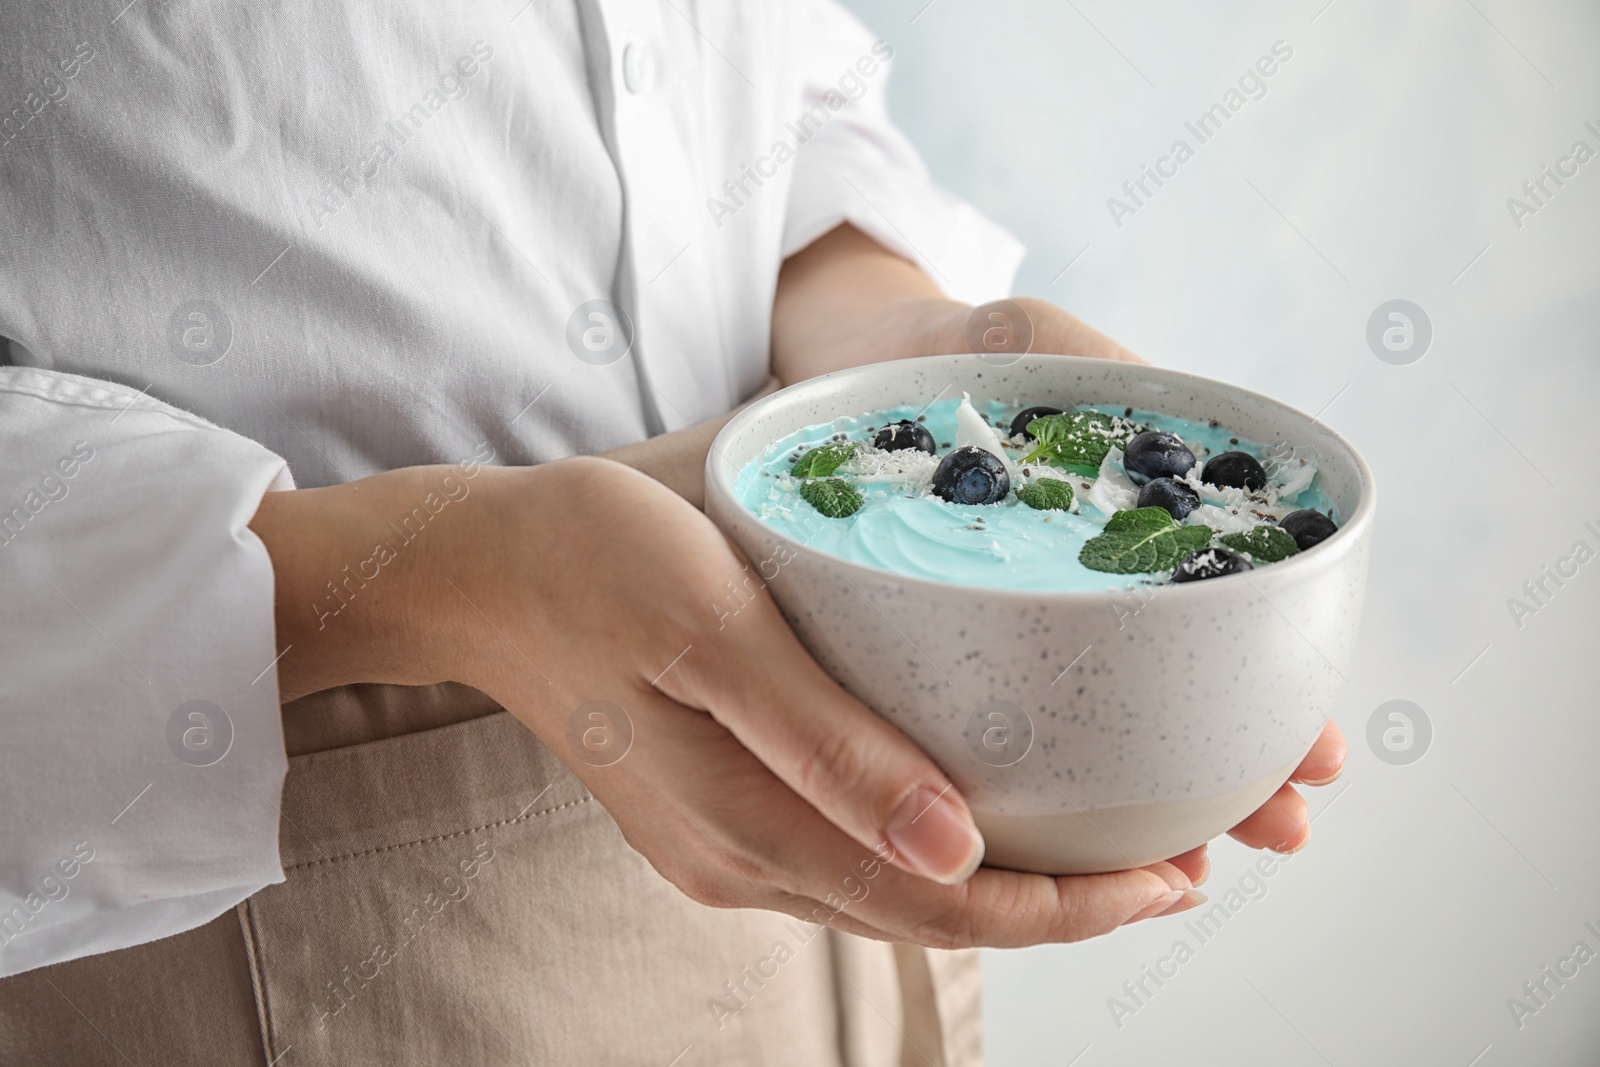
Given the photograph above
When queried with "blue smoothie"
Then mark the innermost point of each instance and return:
(903, 526)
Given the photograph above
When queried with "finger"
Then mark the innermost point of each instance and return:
(1280, 824)
(997, 908)
(993, 908)
(861, 773)
(765, 846)
(843, 915)
(1325, 761)
(1184, 902)
(1011, 909)
(1196, 864)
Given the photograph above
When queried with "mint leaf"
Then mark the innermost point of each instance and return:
(823, 460)
(1140, 540)
(834, 497)
(1076, 441)
(1263, 544)
(1046, 494)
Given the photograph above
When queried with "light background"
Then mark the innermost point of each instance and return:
(1376, 167)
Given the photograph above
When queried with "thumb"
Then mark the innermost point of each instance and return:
(858, 771)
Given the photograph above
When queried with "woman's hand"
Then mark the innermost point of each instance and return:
(751, 779)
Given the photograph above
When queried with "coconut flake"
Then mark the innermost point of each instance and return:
(1297, 480)
(1222, 520)
(1113, 490)
(1222, 496)
(1288, 472)
(972, 430)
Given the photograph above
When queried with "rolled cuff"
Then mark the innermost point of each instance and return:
(854, 166)
(143, 758)
(849, 175)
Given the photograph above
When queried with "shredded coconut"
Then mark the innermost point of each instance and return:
(907, 467)
(1113, 490)
(1222, 520)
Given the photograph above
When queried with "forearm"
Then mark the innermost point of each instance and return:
(845, 300)
(365, 574)
(362, 573)
(678, 459)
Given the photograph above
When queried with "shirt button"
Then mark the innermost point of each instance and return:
(636, 68)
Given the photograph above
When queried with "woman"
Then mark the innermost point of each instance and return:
(318, 318)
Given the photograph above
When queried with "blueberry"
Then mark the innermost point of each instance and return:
(971, 476)
(1169, 493)
(1237, 470)
(1154, 454)
(1019, 425)
(1307, 527)
(904, 435)
(1209, 563)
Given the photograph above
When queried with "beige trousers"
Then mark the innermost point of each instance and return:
(455, 896)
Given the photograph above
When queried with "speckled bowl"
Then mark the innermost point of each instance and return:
(1088, 731)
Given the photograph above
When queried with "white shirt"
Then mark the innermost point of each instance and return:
(350, 239)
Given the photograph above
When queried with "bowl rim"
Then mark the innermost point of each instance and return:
(1344, 541)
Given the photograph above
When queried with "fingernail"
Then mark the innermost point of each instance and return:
(1180, 899)
(1334, 777)
(935, 837)
(1285, 850)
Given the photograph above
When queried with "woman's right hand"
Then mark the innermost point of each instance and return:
(752, 779)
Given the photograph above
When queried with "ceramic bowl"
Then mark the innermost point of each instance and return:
(1088, 731)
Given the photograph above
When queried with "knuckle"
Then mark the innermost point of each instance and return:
(736, 873)
(1074, 920)
(702, 876)
(704, 887)
(836, 764)
(950, 923)
(955, 932)
(720, 595)
(753, 860)
(962, 936)
(1082, 914)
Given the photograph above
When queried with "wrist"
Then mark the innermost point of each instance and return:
(360, 590)
(1011, 325)
(1015, 325)
(1050, 329)
(677, 459)
(926, 326)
